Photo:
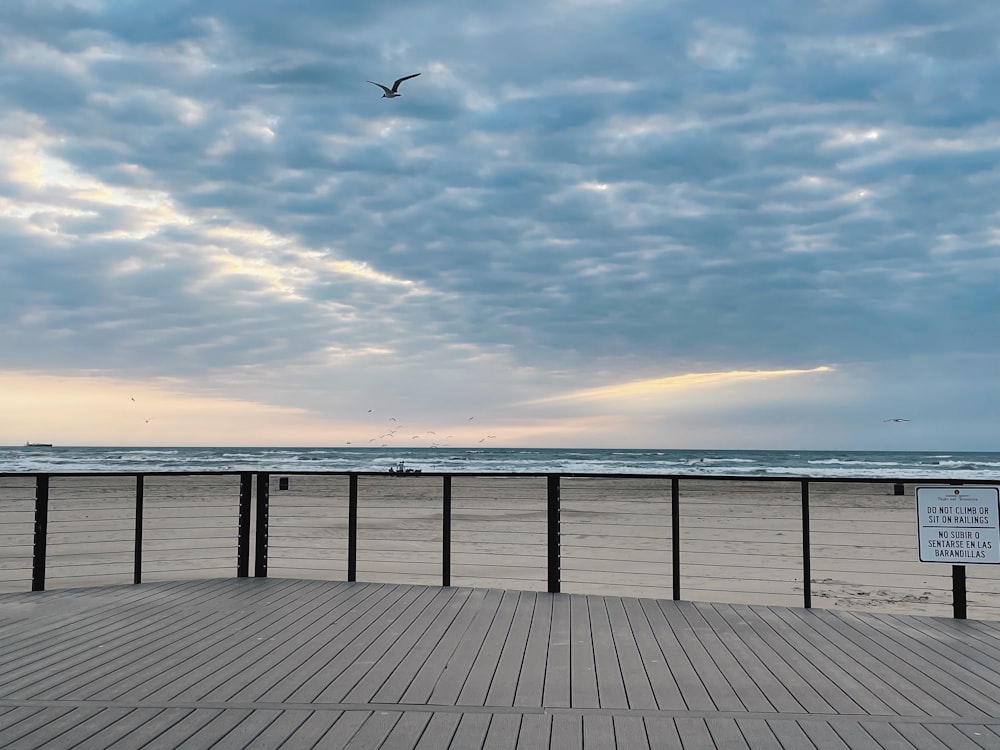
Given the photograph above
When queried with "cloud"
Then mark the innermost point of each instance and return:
(212, 192)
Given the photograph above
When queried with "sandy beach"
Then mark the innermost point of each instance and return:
(740, 540)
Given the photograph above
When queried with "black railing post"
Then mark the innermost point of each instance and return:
(41, 532)
(446, 532)
(243, 541)
(959, 601)
(137, 555)
(806, 550)
(553, 529)
(352, 529)
(675, 534)
(263, 503)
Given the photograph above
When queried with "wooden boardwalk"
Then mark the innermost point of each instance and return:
(265, 663)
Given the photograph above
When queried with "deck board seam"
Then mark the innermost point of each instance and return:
(70, 704)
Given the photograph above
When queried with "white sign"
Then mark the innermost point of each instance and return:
(959, 525)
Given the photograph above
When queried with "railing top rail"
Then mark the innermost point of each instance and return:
(515, 474)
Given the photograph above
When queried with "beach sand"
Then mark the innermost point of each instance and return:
(740, 540)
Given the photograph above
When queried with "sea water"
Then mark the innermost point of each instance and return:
(861, 464)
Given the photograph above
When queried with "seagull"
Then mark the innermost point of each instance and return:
(896, 420)
(394, 91)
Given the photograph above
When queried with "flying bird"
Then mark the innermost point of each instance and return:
(897, 419)
(394, 91)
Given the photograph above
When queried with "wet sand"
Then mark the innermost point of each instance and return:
(740, 540)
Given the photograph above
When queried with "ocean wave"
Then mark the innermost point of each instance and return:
(849, 462)
(821, 464)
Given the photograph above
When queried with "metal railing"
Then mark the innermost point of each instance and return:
(756, 540)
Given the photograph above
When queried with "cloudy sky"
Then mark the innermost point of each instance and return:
(588, 223)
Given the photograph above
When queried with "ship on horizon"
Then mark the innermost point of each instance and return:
(29, 444)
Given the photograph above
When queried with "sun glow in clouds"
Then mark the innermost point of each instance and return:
(656, 386)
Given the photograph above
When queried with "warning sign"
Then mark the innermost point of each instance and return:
(959, 525)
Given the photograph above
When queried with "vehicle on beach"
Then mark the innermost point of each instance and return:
(400, 468)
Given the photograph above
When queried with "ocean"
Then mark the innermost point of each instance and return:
(861, 464)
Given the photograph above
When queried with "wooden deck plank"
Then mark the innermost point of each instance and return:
(567, 731)
(223, 724)
(439, 731)
(983, 635)
(662, 733)
(862, 642)
(339, 733)
(98, 729)
(635, 678)
(853, 735)
(756, 732)
(964, 736)
(503, 731)
(401, 677)
(341, 650)
(188, 640)
(407, 731)
(694, 733)
(867, 690)
(187, 678)
(314, 729)
(685, 647)
(791, 663)
(309, 654)
(664, 678)
(56, 731)
(821, 734)
(511, 662)
(280, 647)
(390, 638)
(487, 661)
(729, 665)
(82, 666)
(471, 731)
(452, 679)
(951, 642)
(79, 612)
(233, 656)
(726, 732)
(607, 667)
(980, 733)
(56, 659)
(583, 670)
(372, 733)
(102, 732)
(978, 683)
(531, 681)
(536, 730)
(556, 691)
(755, 659)
(168, 728)
(253, 725)
(921, 737)
(24, 720)
(422, 685)
(598, 731)
(359, 685)
(275, 734)
(888, 738)
(630, 733)
(790, 735)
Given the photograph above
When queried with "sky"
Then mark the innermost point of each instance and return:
(587, 223)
